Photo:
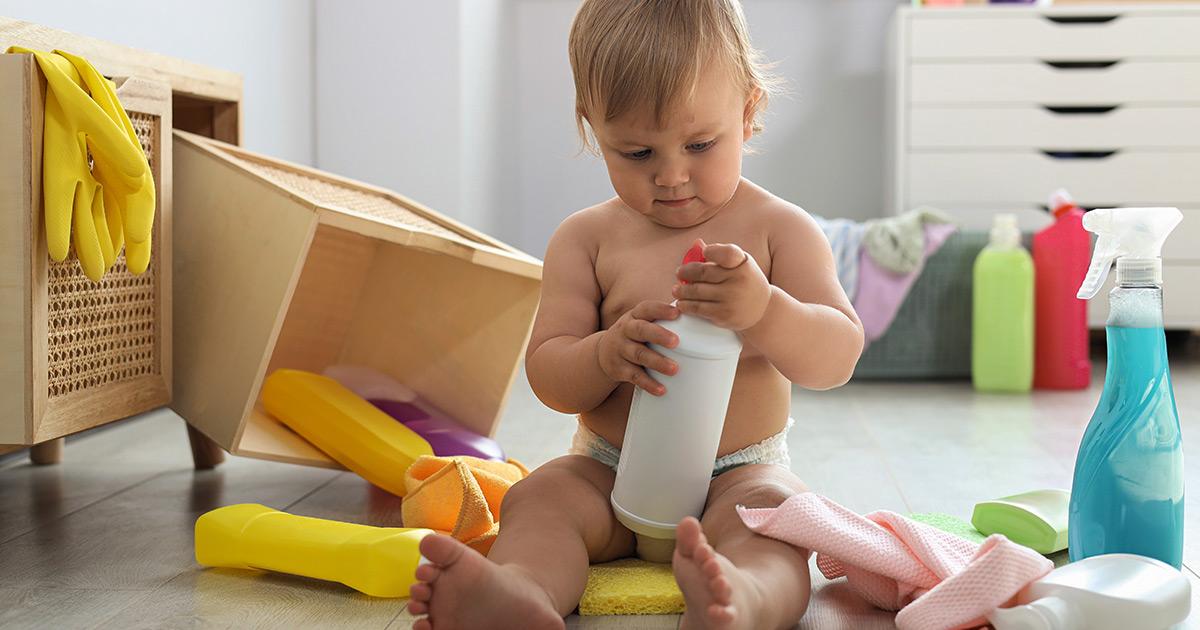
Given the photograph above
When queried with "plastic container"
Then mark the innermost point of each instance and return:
(1002, 314)
(378, 561)
(1061, 253)
(347, 428)
(1111, 592)
(1127, 492)
(671, 440)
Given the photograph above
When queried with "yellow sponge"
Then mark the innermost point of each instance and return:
(631, 587)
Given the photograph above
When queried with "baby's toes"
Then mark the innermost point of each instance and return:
(720, 589)
(420, 592)
(427, 573)
(719, 613)
(417, 607)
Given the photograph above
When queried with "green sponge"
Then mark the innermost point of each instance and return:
(951, 524)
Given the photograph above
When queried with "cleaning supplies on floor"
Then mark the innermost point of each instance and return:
(932, 577)
(352, 431)
(445, 436)
(1002, 326)
(1127, 493)
(98, 188)
(459, 496)
(671, 440)
(1036, 519)
(1109, 592)
(1061, 252)
(378, 561)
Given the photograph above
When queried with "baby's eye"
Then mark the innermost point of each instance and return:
(638, 155)
(697, 147)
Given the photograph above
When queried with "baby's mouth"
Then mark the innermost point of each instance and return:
(675, 203)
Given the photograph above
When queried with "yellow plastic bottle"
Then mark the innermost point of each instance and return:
(349, 429)
(378, 561)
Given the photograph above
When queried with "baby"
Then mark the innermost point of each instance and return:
(671, 90)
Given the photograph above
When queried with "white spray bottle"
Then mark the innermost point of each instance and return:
(1111, 592)
(671, 440)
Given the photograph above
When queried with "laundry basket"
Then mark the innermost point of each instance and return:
(931, 335)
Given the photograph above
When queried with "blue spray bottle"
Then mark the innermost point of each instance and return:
(1127, 494)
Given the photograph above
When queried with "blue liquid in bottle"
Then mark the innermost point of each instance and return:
(1127, 494)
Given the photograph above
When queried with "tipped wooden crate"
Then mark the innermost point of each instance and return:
(76, 354)
(281, 266)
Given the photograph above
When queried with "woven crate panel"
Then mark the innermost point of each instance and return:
(338, 196)
(105, 332)
(931, 334)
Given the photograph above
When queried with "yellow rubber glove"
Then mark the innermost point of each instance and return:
(109, 205)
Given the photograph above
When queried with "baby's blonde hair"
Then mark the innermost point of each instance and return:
(630, 55)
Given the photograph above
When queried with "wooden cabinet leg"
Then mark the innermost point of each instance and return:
(47, 453)
(205, 452)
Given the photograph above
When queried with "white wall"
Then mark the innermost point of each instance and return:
(466, 105)
(388, 96)
(268, 42)
(823, 146)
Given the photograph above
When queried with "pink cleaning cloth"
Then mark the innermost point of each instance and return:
(934, 578)
(881, 292)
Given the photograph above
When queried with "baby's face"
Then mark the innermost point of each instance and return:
(682, 175)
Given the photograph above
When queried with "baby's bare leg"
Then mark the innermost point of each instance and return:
(552, 525)
(732, 577)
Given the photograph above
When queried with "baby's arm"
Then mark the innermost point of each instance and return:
(809, 331)
(560, 361)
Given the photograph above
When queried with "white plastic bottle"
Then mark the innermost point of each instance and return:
(1116, 591)
(671, 440)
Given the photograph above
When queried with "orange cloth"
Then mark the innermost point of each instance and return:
(459, 496)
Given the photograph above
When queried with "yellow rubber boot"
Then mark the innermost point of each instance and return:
(378, 561)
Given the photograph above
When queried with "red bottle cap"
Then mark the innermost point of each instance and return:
(695, 254)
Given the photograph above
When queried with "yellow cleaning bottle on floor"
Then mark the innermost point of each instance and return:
(352, 431)
(378, 561)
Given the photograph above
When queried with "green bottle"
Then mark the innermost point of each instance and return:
(1002, 320)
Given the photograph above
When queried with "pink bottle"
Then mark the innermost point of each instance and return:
(1061, 254)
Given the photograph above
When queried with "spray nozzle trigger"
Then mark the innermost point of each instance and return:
(1134, 233)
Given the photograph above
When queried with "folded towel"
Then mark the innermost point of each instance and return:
(936, 579)
(898, 243)
(882, 292)
(845, 239)
(459, 496)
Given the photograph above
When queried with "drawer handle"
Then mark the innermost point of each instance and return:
(1081, 65)
(1081, 19)
(1079, 155)
(1074, 110)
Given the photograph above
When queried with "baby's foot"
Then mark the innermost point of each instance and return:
(717, 595)
(460, 588)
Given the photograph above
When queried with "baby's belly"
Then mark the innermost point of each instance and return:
(758, 408)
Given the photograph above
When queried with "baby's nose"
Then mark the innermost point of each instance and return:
(671, 175)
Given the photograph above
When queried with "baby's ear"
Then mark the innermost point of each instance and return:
(748, 114)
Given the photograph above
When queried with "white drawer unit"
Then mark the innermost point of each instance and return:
(995, 107)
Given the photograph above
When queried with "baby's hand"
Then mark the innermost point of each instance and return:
(623, 353)
(730, 290)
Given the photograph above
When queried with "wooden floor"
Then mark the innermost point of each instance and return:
(105, 539)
